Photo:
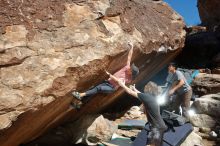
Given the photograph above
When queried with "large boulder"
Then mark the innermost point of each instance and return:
(210, 40)
(47, 49)
(206, 84)
(208, 104)
(203, 42)
(193, 140)
(88, 130)
(134, 113)
(209, 13)
(201, 50)
(216, 70)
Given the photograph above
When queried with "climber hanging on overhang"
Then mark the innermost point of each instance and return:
(126, 74)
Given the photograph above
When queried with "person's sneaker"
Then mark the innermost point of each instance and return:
(77, 95)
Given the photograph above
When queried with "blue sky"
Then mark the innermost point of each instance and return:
(188, 9)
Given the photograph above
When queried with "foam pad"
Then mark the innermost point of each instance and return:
(118, 142)
(122, 142)
(132, 124)
(177, 137)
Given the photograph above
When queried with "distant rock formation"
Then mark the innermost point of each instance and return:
(206, 84)
(203, 41)
(209, 13)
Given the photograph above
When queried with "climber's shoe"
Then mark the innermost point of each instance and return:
(76, 95)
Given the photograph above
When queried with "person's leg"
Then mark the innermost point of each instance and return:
(101, 88)
(157, 136)
(104, 87)
(176, 104)
(186, 97)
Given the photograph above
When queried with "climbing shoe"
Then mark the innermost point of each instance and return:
(75, 105)
(77, 95)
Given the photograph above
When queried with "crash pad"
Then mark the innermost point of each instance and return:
(132, 124)
(175, 138)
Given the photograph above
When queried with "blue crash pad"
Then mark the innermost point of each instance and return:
(170, 138)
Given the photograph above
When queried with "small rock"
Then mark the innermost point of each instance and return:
(202, 120)
(196, 129)
(213, 134)
(206, 84)
(5, 122)
(208, 104)
(128, 133)
(192, 140)
(216, 71)
(135, 113)
(204, 130)
(204, 135)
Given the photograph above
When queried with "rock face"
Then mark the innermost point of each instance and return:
(208, 104)
(205, 45)
(206, 84)
(202, 120)
(47, 49)
(216, 71)
(201, 50)
(203, 42)
(209, 13)
(134, 113)
(100, 130)
(193, 140)
(88, 130)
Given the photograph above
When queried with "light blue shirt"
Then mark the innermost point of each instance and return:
(177, 76)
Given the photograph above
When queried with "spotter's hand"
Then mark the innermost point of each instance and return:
(121, 82)
(132, 87)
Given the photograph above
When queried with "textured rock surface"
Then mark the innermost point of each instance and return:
(90, 130)
(208, 104)
(87, 130)
(134, 113)
(128, 133)
(100, 130)
(216, 71)
(206, 84)
(48, 49)
(202, 120)
(209, 12)
(193, 140)
(204, 130)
